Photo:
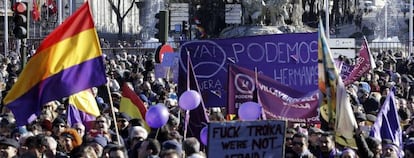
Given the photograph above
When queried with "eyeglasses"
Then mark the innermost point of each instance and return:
(297, 143)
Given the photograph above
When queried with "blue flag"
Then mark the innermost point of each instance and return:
(387, 125)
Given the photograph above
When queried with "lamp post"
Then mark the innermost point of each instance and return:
(410, 26)
(6, 27)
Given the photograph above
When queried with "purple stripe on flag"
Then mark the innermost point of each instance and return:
(75, 115)
(63, 84)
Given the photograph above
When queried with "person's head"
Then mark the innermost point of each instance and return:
(375, 146)
(314, 135)
(98, 144)
(172, 145)
(102, 123)
(51, 147)
(80, 128)
(349, 153)
(137, 134)
(117, 152)
(59, 125)
(70, 139)
(191, 146)
(170, 154)
(122, 120)
(327, 142)
(299, 143)
(8, 148)
(37, 145)
(390, 150)
(149, 147)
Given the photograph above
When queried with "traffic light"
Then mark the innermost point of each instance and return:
(184, 27)
(162, 26)
(20, 19)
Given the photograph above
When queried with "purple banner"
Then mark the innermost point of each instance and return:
(278, 101)
(290, 59)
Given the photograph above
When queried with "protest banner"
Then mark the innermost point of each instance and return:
(278, 101)
(253, 139)
(290, 59)
(362, 66)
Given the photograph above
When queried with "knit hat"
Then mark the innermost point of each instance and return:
(172, 144)
(101, 140)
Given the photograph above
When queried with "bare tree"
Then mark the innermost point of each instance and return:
(120, 18)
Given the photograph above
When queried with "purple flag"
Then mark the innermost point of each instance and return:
(75, 115)
(278, 100)
(198, 118)
(387, 125)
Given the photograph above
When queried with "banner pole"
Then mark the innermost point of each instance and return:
(113, 113)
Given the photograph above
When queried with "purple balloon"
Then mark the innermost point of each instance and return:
(204, 135)
(189, 100)
(249, 111)
(157, 116)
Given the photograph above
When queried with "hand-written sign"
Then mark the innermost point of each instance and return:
(246, 139)
(290, 59)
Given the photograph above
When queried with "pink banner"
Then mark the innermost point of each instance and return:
(363, 65)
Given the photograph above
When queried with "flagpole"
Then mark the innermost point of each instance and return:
(257, 93)
(410, 35)
(327, 18)
(6, 28)
(113, 113)
(187, 112)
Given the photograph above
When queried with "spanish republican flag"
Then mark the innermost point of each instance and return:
(82, 108)
(131, 104)
(68, 61)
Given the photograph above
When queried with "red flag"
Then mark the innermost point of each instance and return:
(35, 11)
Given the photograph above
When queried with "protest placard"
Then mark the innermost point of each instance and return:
(246, 139)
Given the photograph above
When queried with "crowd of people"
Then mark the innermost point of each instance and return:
(50, 135)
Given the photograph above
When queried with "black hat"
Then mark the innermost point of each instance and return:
(9, 142)
(122, 115)
(58, 121)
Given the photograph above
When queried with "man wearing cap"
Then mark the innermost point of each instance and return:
(172, 145)
(389, 149)
(98, 143)
(137, 134)
(370, 104)
(122, 121)
(8, 148)
(314, 136)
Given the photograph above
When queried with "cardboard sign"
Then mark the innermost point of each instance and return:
(253, 139)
